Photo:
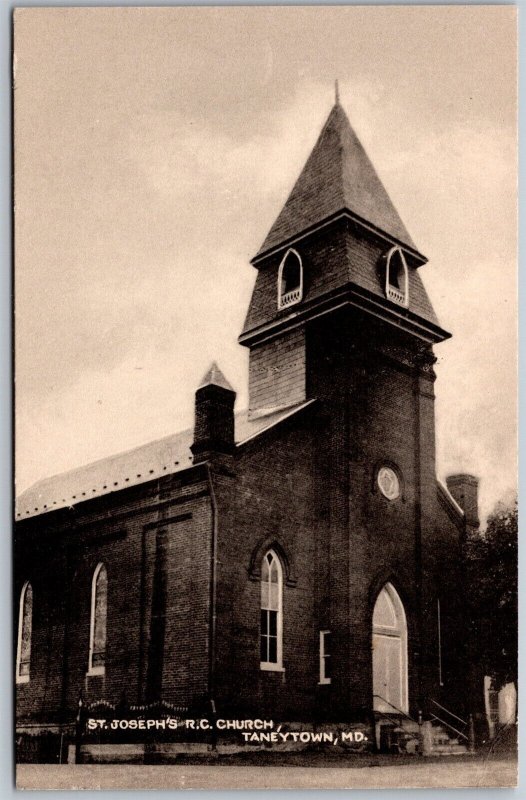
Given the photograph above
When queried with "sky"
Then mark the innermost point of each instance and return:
(154, 148)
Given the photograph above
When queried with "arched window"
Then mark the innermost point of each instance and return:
(25, 627)
(271, 612)
(290, 280)
(396, 277)
(99, 612)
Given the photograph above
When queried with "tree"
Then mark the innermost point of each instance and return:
(492, 571)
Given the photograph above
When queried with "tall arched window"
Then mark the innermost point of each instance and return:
(396, 277)
(271, 612)
(25, 627)
(290, 280)
(99, 612)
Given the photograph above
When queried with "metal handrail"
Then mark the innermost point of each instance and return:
(463, 721)
(443, 722)
(395, 708)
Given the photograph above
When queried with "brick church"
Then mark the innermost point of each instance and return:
(298, 560)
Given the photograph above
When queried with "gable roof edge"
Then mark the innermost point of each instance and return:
(449, 502)
(293, 410)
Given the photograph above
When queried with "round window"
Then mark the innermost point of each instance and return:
(388, 483)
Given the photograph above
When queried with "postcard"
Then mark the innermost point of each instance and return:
(266, 376)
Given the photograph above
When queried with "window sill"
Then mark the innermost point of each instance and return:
(397, 296)
(22, 679)
(324, 682)
(290, 299)
(265, 667)
(96, 671)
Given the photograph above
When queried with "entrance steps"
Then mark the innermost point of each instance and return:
(445, 744)
(398, 734)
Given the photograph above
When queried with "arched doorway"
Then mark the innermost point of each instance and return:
(389, 652)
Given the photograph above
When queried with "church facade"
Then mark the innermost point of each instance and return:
(298, 560)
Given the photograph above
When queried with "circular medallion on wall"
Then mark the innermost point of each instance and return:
(388, 483)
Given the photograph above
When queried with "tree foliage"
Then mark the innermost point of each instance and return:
(492, 571)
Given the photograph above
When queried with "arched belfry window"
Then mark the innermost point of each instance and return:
(99, 613)
(396, 277)
(271, 633)
(290, 280)
(25, 629)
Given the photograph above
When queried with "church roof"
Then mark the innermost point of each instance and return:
(144, 463)
(214, 377)
(338, 175)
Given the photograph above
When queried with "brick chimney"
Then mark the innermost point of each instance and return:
(214, 416)
(464, 489)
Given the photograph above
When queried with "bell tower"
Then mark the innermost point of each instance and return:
(338, 249)
(339, 314)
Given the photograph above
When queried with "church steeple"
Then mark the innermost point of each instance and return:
(338, 246)
(338, 176)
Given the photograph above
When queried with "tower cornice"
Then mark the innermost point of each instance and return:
(352, 296)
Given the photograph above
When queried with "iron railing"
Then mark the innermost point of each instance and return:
(446, 711)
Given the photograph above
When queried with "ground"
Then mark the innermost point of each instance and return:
(307, 771)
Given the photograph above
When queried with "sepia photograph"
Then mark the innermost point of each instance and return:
(265, 326)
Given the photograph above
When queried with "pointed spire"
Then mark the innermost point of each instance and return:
(215, 377)
(338, 175)
(336, 92)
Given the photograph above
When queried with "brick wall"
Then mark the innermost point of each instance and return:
(310, 484)
(382, 411)
(270, 502)
(43, 564)
(155, 543)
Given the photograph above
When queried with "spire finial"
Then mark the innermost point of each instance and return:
(336, 92)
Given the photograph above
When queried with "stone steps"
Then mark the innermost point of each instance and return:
(444, 743)
(433, 738)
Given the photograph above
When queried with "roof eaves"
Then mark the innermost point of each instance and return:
(449, 497)
(293, 410)
(349, 214)
(71, 506)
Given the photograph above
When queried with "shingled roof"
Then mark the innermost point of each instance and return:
(338, 175)
(144, 463)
